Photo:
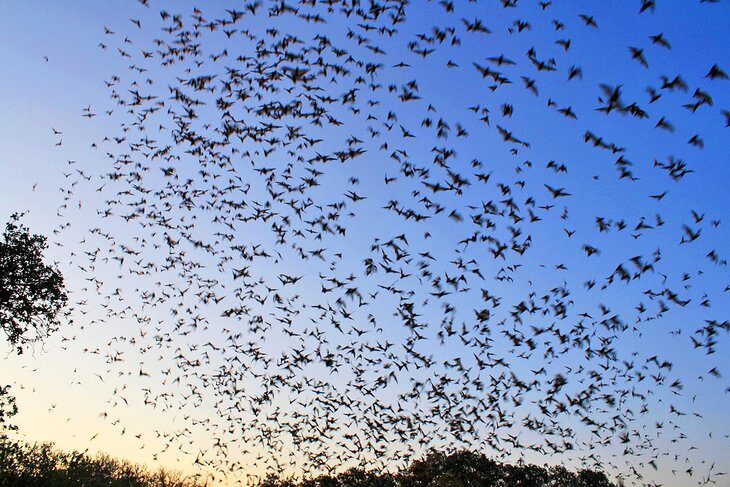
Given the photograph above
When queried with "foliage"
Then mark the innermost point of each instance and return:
(41, 464)
(32, 296)
(8, 409)
(32, 293)
(460, 469)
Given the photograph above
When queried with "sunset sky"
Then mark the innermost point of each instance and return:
(69, 392)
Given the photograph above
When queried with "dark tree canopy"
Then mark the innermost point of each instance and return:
(32, 293)
(458, 469)
(41, 464)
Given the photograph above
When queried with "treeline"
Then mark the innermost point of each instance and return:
(43, 465)
(40, 464)
(461, 469)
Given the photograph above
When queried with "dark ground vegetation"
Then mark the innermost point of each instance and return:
(40, 464)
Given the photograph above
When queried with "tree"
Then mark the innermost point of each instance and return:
(32, 293)
(41, 464)
(32, 297)
(8, 409)
(456, 469)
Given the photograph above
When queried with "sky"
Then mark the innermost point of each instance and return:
(69, 391)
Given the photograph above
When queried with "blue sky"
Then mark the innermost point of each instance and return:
(38, 95)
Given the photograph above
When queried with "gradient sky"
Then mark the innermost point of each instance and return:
(60, 395)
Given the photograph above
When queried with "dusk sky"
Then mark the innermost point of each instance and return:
(172, 358)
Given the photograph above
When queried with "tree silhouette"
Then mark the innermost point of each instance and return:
(32, 293)
(32, 296)
(41, 465)
(8, 409)
(458, 469)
